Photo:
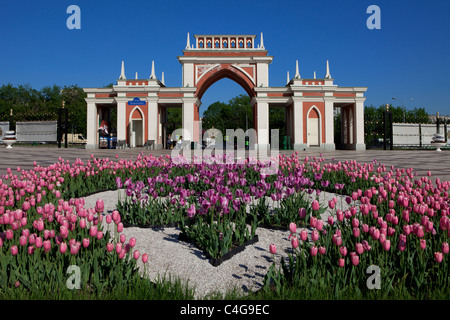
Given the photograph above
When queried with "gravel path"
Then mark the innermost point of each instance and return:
(245, 271)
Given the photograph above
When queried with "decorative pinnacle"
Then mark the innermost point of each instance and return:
(297, 73)
(188, 43)
(122, 72)
(328, 75)
(262, 41)
(152, 75)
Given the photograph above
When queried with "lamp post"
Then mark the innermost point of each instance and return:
(404, 108)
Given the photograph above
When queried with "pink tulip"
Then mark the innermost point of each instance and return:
(40, 225)
(73, 249)
(340, 215)
(338, 241)
(93, 231)
(303, 235)
(119, 247)
(108, 218)
(110, 247)
(82, 223)
(343, 251)
(64, 231)
(115, 216)
(47, 245)
(315, 205)
(136, 255)
(330, 220)
(99, 206)
(63, 247)
(122, 238)
(145, 257)
(387, 245)
(365, 228)
(122, 254)
(376, 234)
(32, 238)
(315, 235)
(14, 250)
(419, 232)
(331, 204)
(294, 242)
(86, 242)
(356, 232)
(132, 242)
(39, 242)
(438, 256)
(313, 221)
(30, 250)
(292, 227)
(322, 250)
(120, 227)
(355, 260)
(319, 225)
(423, 244)
(99, 235)
(272, 249)
(445, 247)
(314, 251)
(341, 262)
(359, 248)
(23, 241)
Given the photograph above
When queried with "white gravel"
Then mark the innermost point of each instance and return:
(245, 271)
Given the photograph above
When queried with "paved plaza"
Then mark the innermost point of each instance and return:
(421, 161)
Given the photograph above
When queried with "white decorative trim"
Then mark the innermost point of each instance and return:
(206, 68)
(244, 72)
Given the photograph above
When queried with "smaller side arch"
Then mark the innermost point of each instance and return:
(137, 114)
(313, 113)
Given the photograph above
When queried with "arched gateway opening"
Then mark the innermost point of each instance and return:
(239, 58)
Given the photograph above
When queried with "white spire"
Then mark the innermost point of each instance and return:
(152, 76)
(297, 73)
(288, 78)
(162, 78)
(262, 42)
(122, 72)
(188, 43)
(328, 75)
(136, 76)
(314, 74)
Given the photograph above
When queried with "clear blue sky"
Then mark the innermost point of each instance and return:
(407, 58)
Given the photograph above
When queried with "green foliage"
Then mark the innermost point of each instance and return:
(29, 104)
(238, 114)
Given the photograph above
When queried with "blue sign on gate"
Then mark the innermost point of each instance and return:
(136, 102)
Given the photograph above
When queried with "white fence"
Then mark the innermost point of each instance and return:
(414, 134)
(37, 131)
(4, 126)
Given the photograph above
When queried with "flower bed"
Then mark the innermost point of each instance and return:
(395, 221)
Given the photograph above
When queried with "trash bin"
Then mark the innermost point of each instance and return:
(283, 142)
(150, 144)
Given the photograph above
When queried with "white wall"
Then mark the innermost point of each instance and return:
(407, 134)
